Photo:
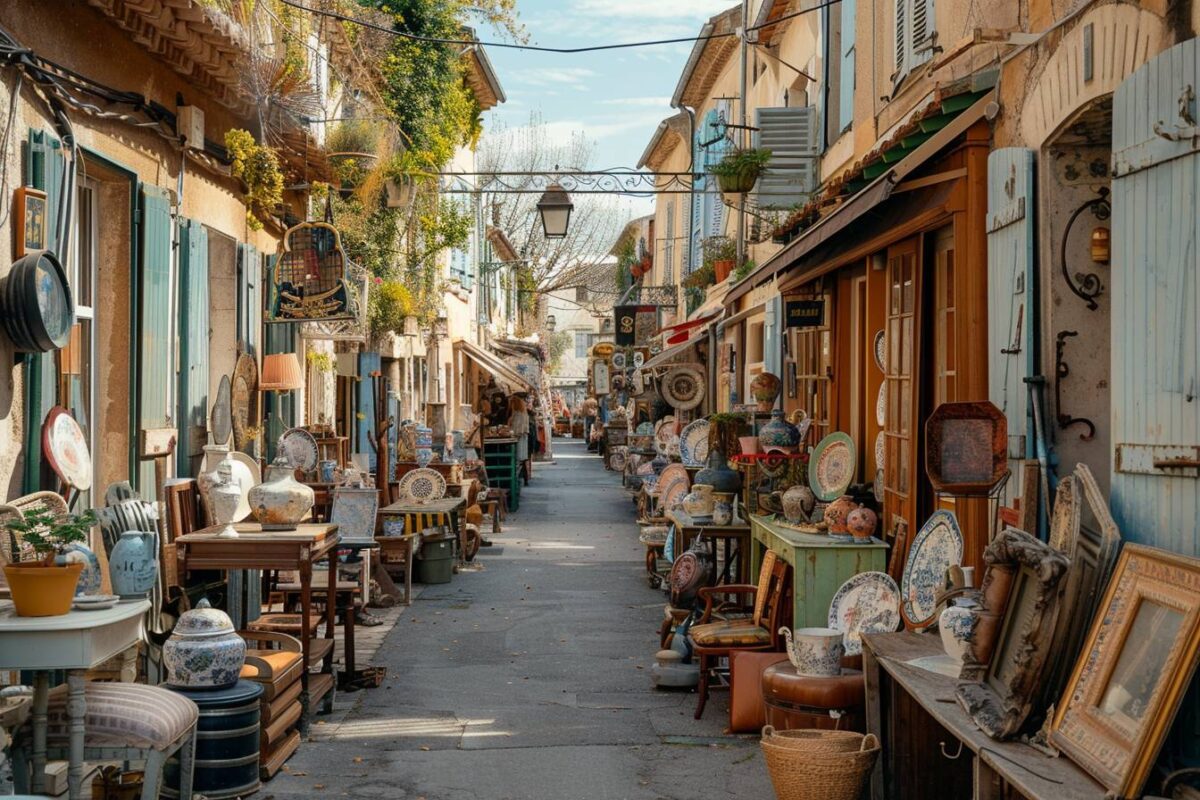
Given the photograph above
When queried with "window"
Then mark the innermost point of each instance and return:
(668, 277)
(581, 294)
(581, 344)
(814, 363)
(846, 70)
(77, 361)
(914, 36)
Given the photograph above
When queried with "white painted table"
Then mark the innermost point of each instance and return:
(75, 642)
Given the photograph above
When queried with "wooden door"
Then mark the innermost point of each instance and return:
(902, 380)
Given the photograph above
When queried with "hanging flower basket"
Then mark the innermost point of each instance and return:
(738, 182)
(738, 171)
(400, 191)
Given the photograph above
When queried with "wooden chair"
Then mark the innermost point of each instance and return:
(715, 640)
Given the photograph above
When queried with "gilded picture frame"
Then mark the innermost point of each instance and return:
(999, 684)
(1139, 658)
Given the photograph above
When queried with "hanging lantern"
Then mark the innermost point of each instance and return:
(1101, 245)
(310, 280)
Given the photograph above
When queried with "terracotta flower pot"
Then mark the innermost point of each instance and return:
(722, 268)
(40, 591)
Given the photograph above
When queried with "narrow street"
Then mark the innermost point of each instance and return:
(530, 679)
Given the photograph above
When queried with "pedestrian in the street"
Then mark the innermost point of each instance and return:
(518, 420)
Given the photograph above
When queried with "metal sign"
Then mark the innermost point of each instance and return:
(310, 281)
(804, 313)
(625, 319)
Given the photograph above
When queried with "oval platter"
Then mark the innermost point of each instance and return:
(937, 547)
(693, 443)
(867, 603)
(422, 485)
(831, 468)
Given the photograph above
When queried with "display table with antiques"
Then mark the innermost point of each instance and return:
(929, 740)
(503, 470)
(416, 518)
(733, 542)
(820, 564)
(76, 642)
(298, 550)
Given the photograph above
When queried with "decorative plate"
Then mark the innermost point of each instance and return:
(663, 432)
(253, 470)
(66, 449)
(867, 603)
(881, 405)
(683, 388)
(937, 547)
(831, 468)
(645, 429)
(877, 486)
(244, 410)
(300, 448)
(220, 419)
(639, 358)
(423, 485)
(671, 492)
(879, 346)
(693, 443)
(94, 602)
(618, 360)
(879, 451)
(616, 460)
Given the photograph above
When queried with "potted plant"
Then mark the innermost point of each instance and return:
(701, 278)
(721, 253)
(40, 586)
(738, 171)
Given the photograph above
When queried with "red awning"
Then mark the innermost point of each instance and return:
(682, 331)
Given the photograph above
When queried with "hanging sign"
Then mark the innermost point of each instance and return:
(804, 313)
(626, 328)
(309, 281)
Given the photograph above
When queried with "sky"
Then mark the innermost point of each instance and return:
(616, 98)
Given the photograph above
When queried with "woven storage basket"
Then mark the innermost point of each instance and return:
(801, 770)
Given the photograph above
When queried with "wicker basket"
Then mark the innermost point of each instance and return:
(818, 764)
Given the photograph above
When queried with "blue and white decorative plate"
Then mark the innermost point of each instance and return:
(693, 443)
(867, 603)
(937, 547)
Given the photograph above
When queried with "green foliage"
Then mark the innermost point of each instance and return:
(626, 258)
(718, 248)
(258, 167)
(558, 345)
(321, 362)
(740, 162)
(744, 270)
(702, 277)
(48, 534)
(390, 302)
(352, 137)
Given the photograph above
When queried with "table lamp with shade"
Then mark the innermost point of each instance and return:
(281, 372)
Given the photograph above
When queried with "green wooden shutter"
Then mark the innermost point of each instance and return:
(154, 367)
(249, 298)
(364, 405)
(44, 165)
(193, 348)
(280, 407)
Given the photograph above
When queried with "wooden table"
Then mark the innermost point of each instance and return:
(296, 550)
(734, 539)
(928, 740)
(417, 517)
(76, 642)
(820, 564)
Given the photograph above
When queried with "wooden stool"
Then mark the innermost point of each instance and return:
(491, 507)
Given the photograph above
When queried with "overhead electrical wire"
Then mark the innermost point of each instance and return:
(541, 49)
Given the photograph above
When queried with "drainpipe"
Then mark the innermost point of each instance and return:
(743, 122)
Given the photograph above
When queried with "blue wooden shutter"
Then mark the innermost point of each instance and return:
(280, 407)
(846, 69)
(772, 353)
(44, 166)
(154, 367)
(364, 405)
(193, 348)
(1012, 310)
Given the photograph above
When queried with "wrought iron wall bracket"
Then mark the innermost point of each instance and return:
(1061, 371)
(1085, 285)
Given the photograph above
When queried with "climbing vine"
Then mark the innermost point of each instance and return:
(257, 166)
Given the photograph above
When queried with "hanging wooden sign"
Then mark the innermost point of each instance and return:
(804, 313)
(310, 281)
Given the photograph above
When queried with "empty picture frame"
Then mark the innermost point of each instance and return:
(1138, 661)
(354, 512)
(999, 693)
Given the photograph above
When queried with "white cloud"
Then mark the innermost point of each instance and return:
(653, 9)
(639, 102)
(553, 76)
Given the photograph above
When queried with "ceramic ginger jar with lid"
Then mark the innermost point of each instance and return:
(204, 651)
(280, 501)
(778, 433)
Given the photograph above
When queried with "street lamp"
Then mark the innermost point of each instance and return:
(551, 322)
(555, 208)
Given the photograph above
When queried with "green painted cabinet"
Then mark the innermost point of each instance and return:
(503, 471)
(819, 566)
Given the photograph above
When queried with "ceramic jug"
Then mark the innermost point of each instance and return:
(798, 503)
(765, 388)
(957, 620)
(132, 565)
(778, 433)
(815, 651)
(205, 481)
(837, 512)
(280, 502)
(698, 503)
(204, 651)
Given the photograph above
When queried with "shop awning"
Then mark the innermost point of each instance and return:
(680, 331)
(505, 376)
(668, 355)
(741, 315)
(864, 201)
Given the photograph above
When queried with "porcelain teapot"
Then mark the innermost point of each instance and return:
(815, 651)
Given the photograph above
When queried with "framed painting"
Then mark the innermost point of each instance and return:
(1139, 658)
(1000, 682)
(30, 222)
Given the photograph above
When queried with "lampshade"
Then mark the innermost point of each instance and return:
(281, 372)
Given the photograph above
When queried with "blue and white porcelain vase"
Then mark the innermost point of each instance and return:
(133, 565)
(204, 651)
(722, 509)
(90, 580)
(957, 620)
(778, 433)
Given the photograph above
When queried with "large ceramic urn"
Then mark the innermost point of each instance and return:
(719, 475)
(778, 433)
(765, 388)
(133, 564)
(204, 650)
(280, 502)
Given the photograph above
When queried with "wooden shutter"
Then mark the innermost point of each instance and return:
(364, 405)
(692, 252)
(846, 69)
(250, 280)
(193, 348)
(902, 381)
(44, 167)
(155, 346)
(1012, 310)
(791, 136)
(901, 30)
(1155, 296)
(279, 337)
(772, 347)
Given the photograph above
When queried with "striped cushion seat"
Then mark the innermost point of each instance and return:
(123, 715)
(730, 633)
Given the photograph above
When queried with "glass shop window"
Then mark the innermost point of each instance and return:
(813, 348)
(77, 361)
